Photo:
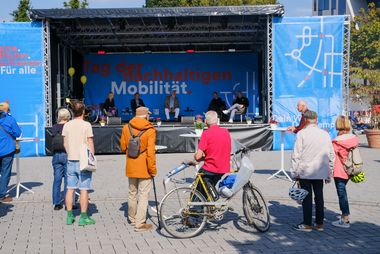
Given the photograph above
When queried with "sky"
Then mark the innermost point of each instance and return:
(292, 7)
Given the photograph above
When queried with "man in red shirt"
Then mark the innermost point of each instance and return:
(215, 149)
(301, 107)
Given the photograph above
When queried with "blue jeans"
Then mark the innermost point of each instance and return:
(340, 185)
(77, 178)
(5, 173)
(59, 163)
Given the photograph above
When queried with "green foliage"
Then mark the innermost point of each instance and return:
(365, 55)
(176, 3)
(21, 14)
(76, 4)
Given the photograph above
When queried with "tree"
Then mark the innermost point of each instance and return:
(76, 4)
(365, 55)
(175, 3)
(22, 12)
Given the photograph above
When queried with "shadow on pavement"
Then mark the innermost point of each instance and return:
(5, 208)
(29, 185)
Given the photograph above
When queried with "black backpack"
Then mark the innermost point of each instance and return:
(57, 143)
(134, 143)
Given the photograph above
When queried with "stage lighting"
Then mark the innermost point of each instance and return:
(231, 50)
(190, 51)
(101, 52)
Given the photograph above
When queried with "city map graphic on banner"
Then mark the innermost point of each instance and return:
(21, 81)
(194, 77)
(307, 65)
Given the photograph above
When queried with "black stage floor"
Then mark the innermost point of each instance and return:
(107, 138)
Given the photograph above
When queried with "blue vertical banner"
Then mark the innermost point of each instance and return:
(21, 81)
(194, 76)
(307, 65)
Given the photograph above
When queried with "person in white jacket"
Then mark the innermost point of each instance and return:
(312, 163)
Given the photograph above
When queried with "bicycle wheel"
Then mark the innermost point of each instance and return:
(255, 208)
(179, 218)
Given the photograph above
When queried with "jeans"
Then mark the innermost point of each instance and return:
(167, 113)
(5, 172)
(316, 186)
(233, 109)
(138, 197)
(59, 163)
(77, 177)
(340, 185)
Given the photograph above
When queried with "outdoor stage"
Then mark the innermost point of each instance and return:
(107, 138)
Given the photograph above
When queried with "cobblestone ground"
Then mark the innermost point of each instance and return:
(29, 224)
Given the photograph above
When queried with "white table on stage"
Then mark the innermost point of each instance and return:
(18, 184)
(283, 130)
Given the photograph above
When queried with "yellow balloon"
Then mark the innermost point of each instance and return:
(71, 71)
(83, 79)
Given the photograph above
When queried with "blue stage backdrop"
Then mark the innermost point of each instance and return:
(194, 76)
(21, 81)
(307, 65)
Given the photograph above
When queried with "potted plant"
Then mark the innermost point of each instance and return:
(102, 121)
(199, 125)
(365, 66)
(273, 124)
(248, 120)
(158, 122)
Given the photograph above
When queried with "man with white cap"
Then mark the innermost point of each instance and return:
(172, 105)
(9, 131)
(141, 167)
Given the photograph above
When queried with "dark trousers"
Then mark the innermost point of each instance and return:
(340, 185)
(59, 163)
(311, 186)
(6, 162)
(210, 177)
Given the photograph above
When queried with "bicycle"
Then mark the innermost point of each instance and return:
(184, 211)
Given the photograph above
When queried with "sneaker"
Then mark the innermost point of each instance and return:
(70, 220)
(303, 228)
(84, 221)
(144, 227)
(341, 224)
(58, 207)
(225, 112)
(319, 228)
(230, 121)
(6, 200)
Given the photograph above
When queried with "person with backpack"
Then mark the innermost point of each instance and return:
(9, 131)
(343, 143)
(138, 141)
(59, 161)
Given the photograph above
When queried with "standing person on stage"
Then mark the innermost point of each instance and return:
(59, 160)
(76, 132)
(109, 105)
(136, 102)
(240, 104)
(9, 131)
(301, 107)
(215, 149)
(172, 106)
(140, 170)
(342, 145)
(217, 104)
(312, 162)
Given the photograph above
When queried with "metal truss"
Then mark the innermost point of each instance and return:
(269, 69)
(346, 65)
(47, 74)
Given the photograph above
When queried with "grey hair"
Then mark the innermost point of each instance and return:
(302, 102)
(211, 117)
(63, 114)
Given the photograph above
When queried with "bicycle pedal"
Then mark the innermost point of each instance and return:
(230, 209)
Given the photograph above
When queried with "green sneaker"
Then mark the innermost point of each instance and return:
(70, 219)
(83, 221)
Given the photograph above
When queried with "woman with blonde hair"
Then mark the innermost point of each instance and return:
(59, 160)
(342, 145)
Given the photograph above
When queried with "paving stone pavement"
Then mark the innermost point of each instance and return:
(30, 225)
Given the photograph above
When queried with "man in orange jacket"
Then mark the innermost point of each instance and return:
(141, 169)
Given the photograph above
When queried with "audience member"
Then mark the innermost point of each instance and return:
(312, 162)
(172, 106)
(240, 105)
(140, 170)
(9, 131)
(301, 107)
(136, 102)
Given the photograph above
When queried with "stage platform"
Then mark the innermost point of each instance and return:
(107, 138)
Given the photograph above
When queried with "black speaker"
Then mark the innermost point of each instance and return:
(112, 120)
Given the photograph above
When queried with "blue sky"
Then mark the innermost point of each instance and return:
(292, 7)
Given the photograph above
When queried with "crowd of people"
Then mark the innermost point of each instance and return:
(316, 159)
(172, 106)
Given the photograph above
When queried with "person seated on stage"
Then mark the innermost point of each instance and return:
(217, 104)
(109, 105)
(136, 102)
(240, 105)
(172, 106)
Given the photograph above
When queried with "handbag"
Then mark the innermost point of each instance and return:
(17, 143)
(87, 160)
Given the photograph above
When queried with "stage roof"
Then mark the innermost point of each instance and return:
(239, 28)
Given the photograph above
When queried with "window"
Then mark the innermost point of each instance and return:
(326, 4)
(341, 7)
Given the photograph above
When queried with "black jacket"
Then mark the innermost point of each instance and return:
(134, 105)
